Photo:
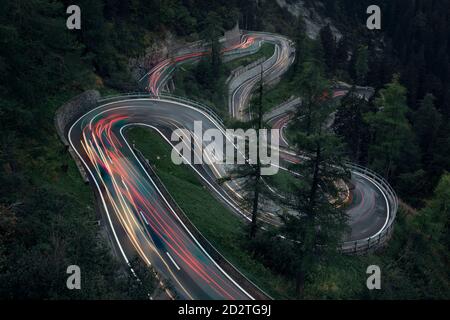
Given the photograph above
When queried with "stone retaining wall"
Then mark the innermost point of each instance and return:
(68, 113)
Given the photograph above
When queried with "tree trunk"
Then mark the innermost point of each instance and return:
(315, 181)
(254, 226)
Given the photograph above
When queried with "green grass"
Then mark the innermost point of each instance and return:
(223, 229)
(274, 96)
(266, 51)
(283, 181)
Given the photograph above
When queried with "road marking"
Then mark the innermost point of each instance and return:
(170, 207)
(173, 261)
(143, 217)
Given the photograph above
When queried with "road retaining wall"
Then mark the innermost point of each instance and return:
(67, 114)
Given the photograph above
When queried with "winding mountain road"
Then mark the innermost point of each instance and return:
(141, 220)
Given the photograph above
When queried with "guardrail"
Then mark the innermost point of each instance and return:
(241, 69)
(167, 96)
(199, 105)
(249, 73)
(227, 56)
(250, 50)
(276, 35)
(378, 240)
(353, 247)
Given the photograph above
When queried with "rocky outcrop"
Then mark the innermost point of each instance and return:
(313, 20)
(68, 113)
(167, 46)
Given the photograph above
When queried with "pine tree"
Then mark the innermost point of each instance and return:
(318, 226)
(349, 124)
(300, 45)
(314, 90)
(392, 138)
(209, 71)
(248, 176)
(426, 123)
(329, 47)
(361, 65)
(434, 219)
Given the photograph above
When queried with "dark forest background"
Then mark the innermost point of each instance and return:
(47, 217)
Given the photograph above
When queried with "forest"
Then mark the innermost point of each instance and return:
(48, 215)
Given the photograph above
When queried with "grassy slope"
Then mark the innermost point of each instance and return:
(266, 51)
(278, 94)
(223, 229)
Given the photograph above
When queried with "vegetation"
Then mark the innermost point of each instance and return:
(368, 128)
(201, 83)
(249, 173)
(349, 124)
(410, 44)
(315, 226)
(392, 137)
(47, 216)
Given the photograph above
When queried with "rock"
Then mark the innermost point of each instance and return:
(313, 20)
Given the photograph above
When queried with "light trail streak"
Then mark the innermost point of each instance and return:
(155, 74)
(135, 201)
(134, 205)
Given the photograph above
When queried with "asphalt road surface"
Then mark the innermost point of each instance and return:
(141, 220)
